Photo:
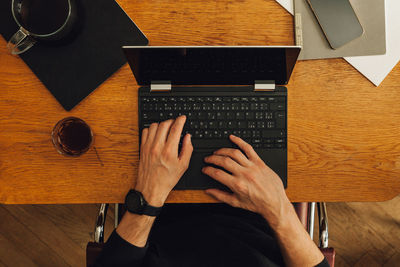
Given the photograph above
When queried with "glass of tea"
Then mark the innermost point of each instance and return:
(72, 136)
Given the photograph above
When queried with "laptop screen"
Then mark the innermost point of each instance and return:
(212, 65)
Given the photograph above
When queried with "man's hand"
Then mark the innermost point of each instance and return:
(160, 166)
(257, 188)
(254, 185)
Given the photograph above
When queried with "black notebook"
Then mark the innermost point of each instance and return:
(73, 68)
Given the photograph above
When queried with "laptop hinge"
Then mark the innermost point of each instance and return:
(160, 86)
(264, 85)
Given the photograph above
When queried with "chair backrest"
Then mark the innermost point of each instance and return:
(303, 212)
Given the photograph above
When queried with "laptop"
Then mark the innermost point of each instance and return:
(222, 90)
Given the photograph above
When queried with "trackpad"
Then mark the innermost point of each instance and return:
(194, 178)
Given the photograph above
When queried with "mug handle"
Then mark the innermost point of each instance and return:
(20, 42)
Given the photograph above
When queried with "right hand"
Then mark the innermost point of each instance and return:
(161, 166)
(254, 185)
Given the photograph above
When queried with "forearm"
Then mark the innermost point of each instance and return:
(296, 245)
(135, 228)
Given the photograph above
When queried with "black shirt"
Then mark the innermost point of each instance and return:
(200, 235)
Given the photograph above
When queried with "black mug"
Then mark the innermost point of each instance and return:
(40, 20)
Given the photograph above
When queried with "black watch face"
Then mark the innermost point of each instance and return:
(134, 202)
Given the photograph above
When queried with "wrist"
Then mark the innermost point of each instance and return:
(282, 218)
(152, 198)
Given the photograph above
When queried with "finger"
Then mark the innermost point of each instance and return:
(225, 162)
(152, 133)
(248, 149)
(186, 150)
(225, 197)
(162, 132)
(219, 175)
(234, 154)
(175, 133)
(145, 134)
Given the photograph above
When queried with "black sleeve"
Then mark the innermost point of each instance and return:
(118, 252)
(323, 263)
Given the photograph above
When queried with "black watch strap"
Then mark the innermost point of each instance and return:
(151, 211)
(137, 204)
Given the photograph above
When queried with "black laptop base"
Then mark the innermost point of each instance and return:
(213, 113)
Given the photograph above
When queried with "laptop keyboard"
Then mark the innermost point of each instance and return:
(259, 120)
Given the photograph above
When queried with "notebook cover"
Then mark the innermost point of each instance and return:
(73, 68)
(309, 34)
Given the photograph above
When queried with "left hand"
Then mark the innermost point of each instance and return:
(160, 166)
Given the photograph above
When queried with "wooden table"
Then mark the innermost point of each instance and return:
(343, 132)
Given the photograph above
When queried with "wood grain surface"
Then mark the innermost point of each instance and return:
(343, 132)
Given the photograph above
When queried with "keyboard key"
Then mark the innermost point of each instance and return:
(268, 146)
(256, 141)
(254, 106)
(206, 106)
(273, 133)
(232, 124)
(269, 115)
(249, 115)
(150, 115)
(244, 106)
(196, 106)
(221, 115)
(239, 115)
(222, 124)
(212, 125)
(201, 115)
(268, 140)
(251, 125)
(203, 125)
(263, 106)
(261, 125)
(203, 143)
(211, 116)
(230, 115)
(217, 134)
(194, 125)
(259, 115)
(242, 124)
(255, 134)
(216, 106)
(207, 134)
(246, 134)
(270, 124)
(277, 106)
(235, 106)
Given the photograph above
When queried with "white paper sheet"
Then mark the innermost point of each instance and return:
(375, 68)
(287, 4)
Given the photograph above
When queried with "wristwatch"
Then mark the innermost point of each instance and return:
(135, 203)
